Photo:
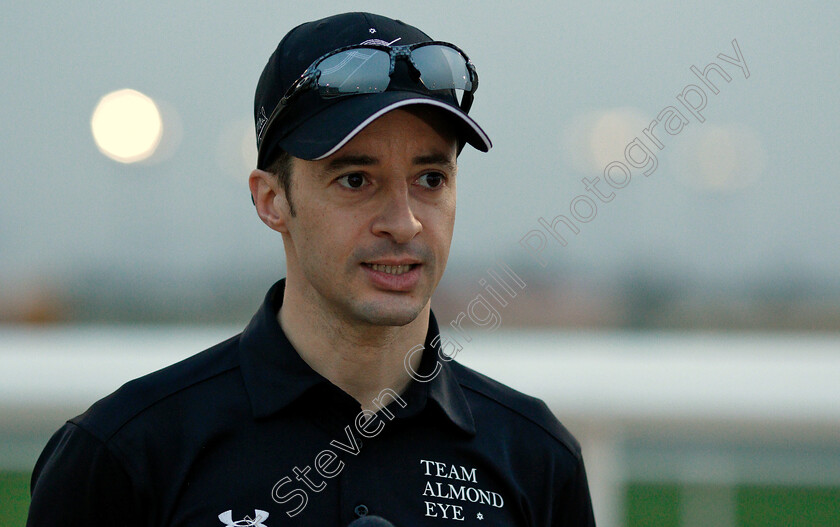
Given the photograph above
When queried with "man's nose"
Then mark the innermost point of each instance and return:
(396, 218)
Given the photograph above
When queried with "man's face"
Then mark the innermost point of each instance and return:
(370, 238)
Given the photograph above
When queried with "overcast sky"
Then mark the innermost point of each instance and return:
(749, 193)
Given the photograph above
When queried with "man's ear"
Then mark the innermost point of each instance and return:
(269, 199)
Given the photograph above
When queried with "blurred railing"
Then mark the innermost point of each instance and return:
(708, 411)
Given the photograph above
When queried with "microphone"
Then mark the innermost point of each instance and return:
(371, 521)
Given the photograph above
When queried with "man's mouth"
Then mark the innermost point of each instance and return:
(391, 269)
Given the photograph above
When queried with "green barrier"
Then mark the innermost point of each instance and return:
(14, 490)
(663, 505)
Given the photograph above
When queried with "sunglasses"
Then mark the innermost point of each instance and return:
(439, 67)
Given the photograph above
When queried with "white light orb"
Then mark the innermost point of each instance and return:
(127, 126)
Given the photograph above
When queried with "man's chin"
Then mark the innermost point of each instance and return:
(383, 314)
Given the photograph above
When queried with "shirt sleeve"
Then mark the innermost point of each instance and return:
(574, 502)
(77, 481)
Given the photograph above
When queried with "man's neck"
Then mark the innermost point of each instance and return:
(360, 359)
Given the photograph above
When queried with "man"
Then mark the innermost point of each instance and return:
(340, 400)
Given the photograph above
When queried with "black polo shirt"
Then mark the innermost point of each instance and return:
(247, 434)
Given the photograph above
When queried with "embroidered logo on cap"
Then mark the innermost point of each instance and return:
(378, 42)
(261, 120)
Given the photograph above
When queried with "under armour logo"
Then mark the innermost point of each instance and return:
(257, 521)
(372, 31)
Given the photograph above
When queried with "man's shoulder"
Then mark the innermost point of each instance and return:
(522, 408)
(109, 415)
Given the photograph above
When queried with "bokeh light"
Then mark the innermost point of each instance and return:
(236, 151)
(127, 126)
(594, 140)
(720, 158)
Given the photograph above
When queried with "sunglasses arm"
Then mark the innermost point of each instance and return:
(467, 100)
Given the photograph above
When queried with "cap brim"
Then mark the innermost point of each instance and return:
(326, 132)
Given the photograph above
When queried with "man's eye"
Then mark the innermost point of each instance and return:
(352, 181)
(432, 180)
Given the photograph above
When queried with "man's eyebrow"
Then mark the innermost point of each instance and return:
(350, 160)
(435, 158)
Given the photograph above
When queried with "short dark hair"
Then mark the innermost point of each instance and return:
(281, 167)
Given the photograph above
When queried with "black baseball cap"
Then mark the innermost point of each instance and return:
(312, 127)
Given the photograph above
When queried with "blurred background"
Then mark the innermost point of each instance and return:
(683, 323)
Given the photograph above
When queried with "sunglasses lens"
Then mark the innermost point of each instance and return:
(441, 68)
(354, 71)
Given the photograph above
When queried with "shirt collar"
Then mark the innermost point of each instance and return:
(275, 375)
